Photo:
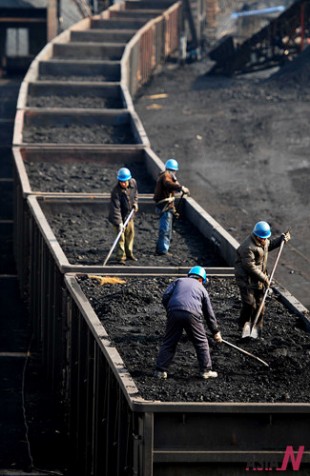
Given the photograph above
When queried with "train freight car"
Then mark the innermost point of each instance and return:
(84, 128)
(56, 226)
(150, 430)
(72, 171)
(114, 427)
(146, 436)
(161, 29)
(50, 305)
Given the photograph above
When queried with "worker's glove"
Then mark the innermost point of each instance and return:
(267, 282)
(185, 191)
(120, 227)
(269, 292)
(217, 337)
(286, 236)
(135, 207)
(260, 285)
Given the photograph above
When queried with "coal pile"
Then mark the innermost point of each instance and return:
(82, 177)
(86, 236)
(134, 318)
(296, 73)
(104, 57)
(252, 145)
(74, 101)
(74, 134)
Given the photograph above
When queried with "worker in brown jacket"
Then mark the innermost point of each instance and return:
(164, 196)
(124, 198)
(251, 271)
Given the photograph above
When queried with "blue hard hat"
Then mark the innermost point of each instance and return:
(123, 174)
(262, 230)
(172, 164)
(198, 271)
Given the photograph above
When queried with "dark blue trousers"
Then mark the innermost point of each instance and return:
(195, 330)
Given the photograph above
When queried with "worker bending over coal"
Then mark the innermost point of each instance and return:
(187, 302)
(124, 199)
(251, 273)
(164, 196)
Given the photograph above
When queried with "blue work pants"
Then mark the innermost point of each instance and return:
(165, 232)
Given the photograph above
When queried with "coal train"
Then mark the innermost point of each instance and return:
(75, 126)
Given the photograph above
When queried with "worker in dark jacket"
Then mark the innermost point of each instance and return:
(251, 272)
(164, 196)
(124, 198)
(187, 302)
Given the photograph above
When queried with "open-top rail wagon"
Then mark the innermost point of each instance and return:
(113, 429)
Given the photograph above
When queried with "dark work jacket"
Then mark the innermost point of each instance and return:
(122, 202)
(166, 186)
(251, 260)
(189, 295)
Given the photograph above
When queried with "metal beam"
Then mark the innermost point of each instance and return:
(189, 16)
(52, 19)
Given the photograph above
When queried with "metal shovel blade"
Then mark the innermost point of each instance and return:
(254, 333)
(246, 331)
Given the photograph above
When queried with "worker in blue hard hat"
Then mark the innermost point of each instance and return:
(187, 302)
(251, 271)
(164, 196)
(124, 199)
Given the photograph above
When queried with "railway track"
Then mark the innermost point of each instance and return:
(61, 132)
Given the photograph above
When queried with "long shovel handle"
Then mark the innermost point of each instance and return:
(118, 236)
(245, 352)
(266, 292)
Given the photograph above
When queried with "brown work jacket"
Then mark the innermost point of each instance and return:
(251, 260)
(166, 186)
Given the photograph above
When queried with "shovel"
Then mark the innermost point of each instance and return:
(118, 236)
(249, 331)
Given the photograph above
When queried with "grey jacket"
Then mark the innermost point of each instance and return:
(251, 260)
(188, 294)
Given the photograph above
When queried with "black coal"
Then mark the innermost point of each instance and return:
(134, 318)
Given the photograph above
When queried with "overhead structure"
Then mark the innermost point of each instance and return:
(23, 33)
(199, 24)
(280, 41)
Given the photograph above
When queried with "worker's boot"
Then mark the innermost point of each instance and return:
(245, 315)
(208, 374)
